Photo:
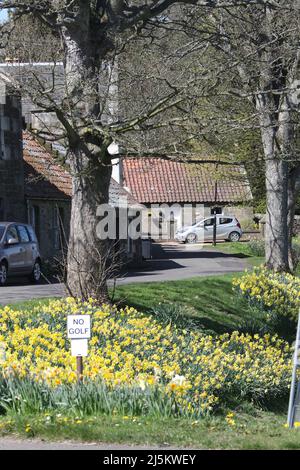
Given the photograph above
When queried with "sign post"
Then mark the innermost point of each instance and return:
(294, 402)
(79, 369)
(215, 227)
(79, 331)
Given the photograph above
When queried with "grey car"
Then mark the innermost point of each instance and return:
(19, 252)
(228, 228)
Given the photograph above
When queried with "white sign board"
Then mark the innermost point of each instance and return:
(79, 326)
(79, 347)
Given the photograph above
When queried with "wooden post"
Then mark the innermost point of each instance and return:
(215, 209)
(79, 361)
(215, 228)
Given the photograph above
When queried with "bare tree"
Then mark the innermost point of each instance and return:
(259, 49)
(92, 33)
(31, 41)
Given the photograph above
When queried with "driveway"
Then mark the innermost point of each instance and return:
(170, 262)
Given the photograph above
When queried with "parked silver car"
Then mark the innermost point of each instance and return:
(228, 228)
(19, 252)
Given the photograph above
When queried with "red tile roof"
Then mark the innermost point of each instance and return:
(44, 178)
(156, 180)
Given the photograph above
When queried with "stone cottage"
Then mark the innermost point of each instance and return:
(48, 191)
(204, 187)
(34, 188)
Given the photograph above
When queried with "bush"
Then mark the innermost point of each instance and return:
(134, 362)
(275, 293)
(248, 224)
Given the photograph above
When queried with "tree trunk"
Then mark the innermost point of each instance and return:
(275, 129)
(276, 234)
(293, 193)
(89, 160)
(87, 254)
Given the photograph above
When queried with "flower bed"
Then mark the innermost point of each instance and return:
(278, 293)
(134, 355)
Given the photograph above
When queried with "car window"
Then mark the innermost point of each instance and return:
(225, 220)
(12, 233)
(2, 230)
(197, 223)
(23, 234)
(31, 234)
(208, 222)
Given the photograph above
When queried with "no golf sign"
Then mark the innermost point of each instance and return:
(79, 331)
(79, 326)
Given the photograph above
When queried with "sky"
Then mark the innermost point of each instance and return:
(3, 15)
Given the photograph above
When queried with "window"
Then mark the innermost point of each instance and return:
(160, 224)
(208, 222)
(35, 221)
(12, 233)
(32, 234)
(224, 220)
(59, 228)
(216, 210)
(172, 226)
(23, 234)
(2, 230)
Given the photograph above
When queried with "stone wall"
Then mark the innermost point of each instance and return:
(240, 212)
(51, 221)
(194, 212)
(12, 207)
(262, 224)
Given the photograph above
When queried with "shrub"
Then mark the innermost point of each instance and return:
(248, 224)
(134, 362)
(275, 293)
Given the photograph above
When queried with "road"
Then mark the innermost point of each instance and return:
(10, 443)
(170, 262)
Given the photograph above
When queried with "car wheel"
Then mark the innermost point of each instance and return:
(36, 274)
(3, 274)
(234, 236)
(191, 238)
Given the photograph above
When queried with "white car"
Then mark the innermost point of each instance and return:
(227, 228)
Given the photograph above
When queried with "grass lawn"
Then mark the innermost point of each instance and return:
(257, 430)
(213, 306)
(210, 301)
(242, 249)
(239, 249)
